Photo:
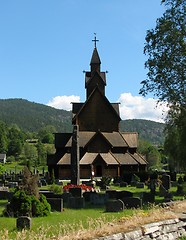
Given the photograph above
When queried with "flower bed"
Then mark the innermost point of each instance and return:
(82, 186)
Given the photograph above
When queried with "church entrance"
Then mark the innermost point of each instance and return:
(98, 171)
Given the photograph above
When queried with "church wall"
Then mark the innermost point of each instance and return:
(110, 171)
(97, 115)
(65, 172)
(85, 172)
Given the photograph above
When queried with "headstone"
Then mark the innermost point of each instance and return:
(132, 202)
(75, 171)
(123, 184)
(98, 199)
(87, 196)
(147, 197)
(76, 202)
(166, 181)
(112, 194)
(114, 206)
(140, 185)
(3, 195)
(133, 183)
(179, 191)
(76, 192)
(65, 197)
(124, 194)
(23, 222)
(162, 191)
(56, 204)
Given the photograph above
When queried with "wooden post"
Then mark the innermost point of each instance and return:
(75, 171)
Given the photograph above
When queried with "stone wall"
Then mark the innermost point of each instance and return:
(165, 230)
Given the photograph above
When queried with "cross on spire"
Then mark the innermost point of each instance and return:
(95, 40)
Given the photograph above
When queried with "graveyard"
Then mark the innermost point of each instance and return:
(92, 205)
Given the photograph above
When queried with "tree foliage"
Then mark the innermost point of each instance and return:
(151, 154)
(166, 50)
(166, 78)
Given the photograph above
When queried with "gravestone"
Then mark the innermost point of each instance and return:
(112, 194)
(65, 196)
(76, 202)
(162, 191)
(4, 195)
(76, 192)
(181, 189)
(98, 199)
(147, 197)
(124, 194)
(114, 206)
(123, 184)
(56, 204)
(166, 181)
(132, 202)
(140, 185)
(23, 222)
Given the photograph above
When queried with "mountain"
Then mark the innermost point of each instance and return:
(148, 130)
(30, 116)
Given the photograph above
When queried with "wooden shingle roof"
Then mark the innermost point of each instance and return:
(89, 158)
(131, 138)
(115, 139)
(139, 159)
(125, 159)
(65, 160)
(84, 138)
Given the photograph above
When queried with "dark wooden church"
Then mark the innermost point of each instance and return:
(102, 149)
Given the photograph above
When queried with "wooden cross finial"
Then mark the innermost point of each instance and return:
(95, 40)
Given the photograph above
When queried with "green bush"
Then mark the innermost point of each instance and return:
(57, 189)
(23, 204)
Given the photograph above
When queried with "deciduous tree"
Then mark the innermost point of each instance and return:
(166, 78)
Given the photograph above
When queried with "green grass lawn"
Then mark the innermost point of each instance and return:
(68, 219)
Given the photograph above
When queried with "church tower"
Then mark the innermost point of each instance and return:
(97, 113)
(95, 78)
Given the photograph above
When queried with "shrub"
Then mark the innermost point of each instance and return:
(55, 189)
(23, 204)
(40, 207)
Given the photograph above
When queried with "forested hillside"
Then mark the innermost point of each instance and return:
(30, 116)
(148, 130)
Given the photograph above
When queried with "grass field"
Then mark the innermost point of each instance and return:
(71, 221)
(68, 220)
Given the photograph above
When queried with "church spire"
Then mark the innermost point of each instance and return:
(95, 60)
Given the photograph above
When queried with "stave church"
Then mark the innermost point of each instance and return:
(100, 148)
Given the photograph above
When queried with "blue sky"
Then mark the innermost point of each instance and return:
(45, 45)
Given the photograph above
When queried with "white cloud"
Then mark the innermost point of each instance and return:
(138, 107)
(131, 107)
(63, 102)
